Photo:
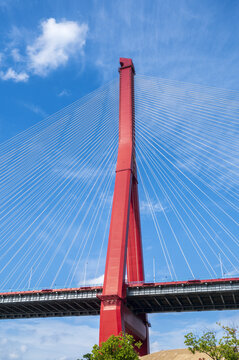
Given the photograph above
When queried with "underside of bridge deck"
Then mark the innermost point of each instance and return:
(222, 294)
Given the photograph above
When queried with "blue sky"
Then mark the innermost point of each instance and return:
(182, 40)
(53, 53)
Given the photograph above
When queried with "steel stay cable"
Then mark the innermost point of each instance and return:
(66, 194)
(46, 167)
(185, 227)
(157, 227)
(186, 161)
(175, 119)
(185, 108)
(203, 192)
(68, 230)
(79, 227)
(55, 205)
(205, 207)
(104, 237)
(25, 253)
(184, 137)
(178, 118)
(174, 90)
(163, 173)
(204, 87)
(49, 264)
(46, 247)
(23, 258)
(177, 110)
(175, 186)
(176, 136)
(163, 99)
(52, 259)
(74, 121)
(164, 102)
(215, 218)
(29, 249)
(198, 177)
(94, 217)
(200, 96)
(174, 174)
(35, 127)
(73, 181)
(206, 168)
(158, 231)
(62, 220)
(85, 148)
(152, 134)
(66, 181)
(92, 128)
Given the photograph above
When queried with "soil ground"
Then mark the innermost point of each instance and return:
(178, 354)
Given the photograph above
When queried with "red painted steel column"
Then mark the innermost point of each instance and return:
(135, 264)
(125, 224)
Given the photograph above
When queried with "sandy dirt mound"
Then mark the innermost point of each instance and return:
(178, 354)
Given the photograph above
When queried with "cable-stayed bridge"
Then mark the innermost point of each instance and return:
(57, 184)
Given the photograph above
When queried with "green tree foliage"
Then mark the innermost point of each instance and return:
(226, 348)
(86, 357)
(119, 347)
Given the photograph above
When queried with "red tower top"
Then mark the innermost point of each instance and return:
(126, 150)
(124, 63)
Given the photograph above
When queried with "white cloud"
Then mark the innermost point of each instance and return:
(145, 207)
(16, 55)
(171, 336)
(70, 338)
(13, 355)
(23, 348)
(232, 273)
(11, 74)
(46, 339)
(35, 108)
(52, 48)
(57, 42)
(96, 281)
(64, 92)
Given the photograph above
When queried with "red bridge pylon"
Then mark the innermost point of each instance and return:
(124, 245)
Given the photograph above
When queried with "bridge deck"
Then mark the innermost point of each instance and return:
(195, 295)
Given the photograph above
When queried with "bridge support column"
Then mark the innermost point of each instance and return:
(125, 233)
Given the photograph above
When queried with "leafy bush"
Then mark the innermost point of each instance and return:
(119, 347)
(226, 348)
